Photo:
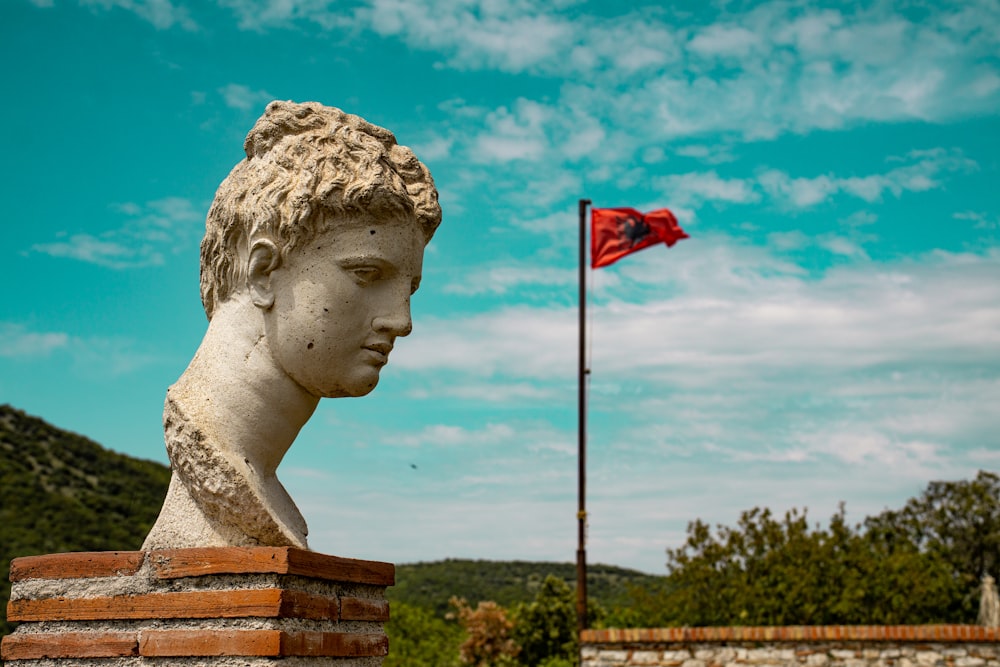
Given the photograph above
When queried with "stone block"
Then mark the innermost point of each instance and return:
(724, 655)
(613, 656)
(969, 661)
(929, 659)
(677, 656)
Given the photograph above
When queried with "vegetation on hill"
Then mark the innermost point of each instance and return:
(432, 585)
(61, 492)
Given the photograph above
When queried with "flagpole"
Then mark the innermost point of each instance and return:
(581, 515)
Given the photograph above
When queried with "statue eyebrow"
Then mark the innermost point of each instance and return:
(359, 260)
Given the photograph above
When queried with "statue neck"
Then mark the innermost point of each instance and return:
(235, 390)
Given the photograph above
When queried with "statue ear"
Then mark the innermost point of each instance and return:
(264, 258)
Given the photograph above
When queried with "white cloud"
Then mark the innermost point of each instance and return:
(920, 171)
(509, 35)
(241, 97)
(435, 148)
(259, 15)
(110, 253)
(443, 435)
(16, 341)
(151, 230)
(163, 14)
(740, 318)
(90, 356)
(709, 154)
(492, 392)
(509, 277)
(725, 41)
(771, 70)
(979, 219)
(494, 343)
(839, 245)
(784, 68)
(697, 187)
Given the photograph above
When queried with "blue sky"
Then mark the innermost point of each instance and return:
(830, 332)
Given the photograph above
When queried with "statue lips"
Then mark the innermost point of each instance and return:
(380, 352)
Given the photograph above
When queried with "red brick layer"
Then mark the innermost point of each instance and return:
(70, 645)
(188, 643)
(267, 603)
(193, 643)
(360, 609)
(76, 565)
(795, 633)
(176, 563)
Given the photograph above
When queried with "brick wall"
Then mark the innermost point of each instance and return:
(809, 646)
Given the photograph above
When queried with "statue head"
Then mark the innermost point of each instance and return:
(313, 247)
(308, 168)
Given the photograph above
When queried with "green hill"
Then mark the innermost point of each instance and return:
(431, 585)
(62, 492)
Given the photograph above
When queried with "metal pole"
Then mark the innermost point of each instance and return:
(581, 515)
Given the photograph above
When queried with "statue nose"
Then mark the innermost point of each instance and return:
(397, 322)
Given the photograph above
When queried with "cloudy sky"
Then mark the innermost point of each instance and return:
(830, 332)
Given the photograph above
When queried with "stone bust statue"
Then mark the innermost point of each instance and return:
(313, 247)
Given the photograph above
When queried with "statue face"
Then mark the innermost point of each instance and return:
(341, 301)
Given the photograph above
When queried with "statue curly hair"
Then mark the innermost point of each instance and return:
(308, 166)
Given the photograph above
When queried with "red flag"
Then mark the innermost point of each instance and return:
(616, 232)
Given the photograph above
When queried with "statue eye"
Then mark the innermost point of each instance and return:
(366, 274)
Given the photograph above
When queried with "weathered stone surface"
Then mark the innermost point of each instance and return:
(313, 247)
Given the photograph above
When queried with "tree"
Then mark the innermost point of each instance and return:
(488, 642)
(545, 629)
(957, 522)
(418, 637)
(767, 571)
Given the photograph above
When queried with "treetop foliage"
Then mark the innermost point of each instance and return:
(920, 564)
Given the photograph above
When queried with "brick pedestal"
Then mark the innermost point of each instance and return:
(213, 607)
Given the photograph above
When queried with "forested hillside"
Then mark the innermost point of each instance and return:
(61, 492)
(507, 583)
